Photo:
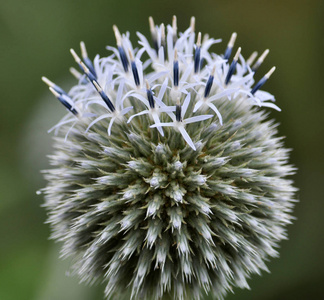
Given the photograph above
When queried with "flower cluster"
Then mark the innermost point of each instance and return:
(167, 177)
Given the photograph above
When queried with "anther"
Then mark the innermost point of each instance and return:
(120, 48)
(260, 60)
(262, 81)
(153, 34)
(149, 94)
(134, 69)
(230, 46)
(251, 59)
(61, 97)
(103, 95)
(178, 111)
(174, 29)
(175, 69)
(197, 53)
(209, 83)
(53, 86)
(86, 59)
(232, 67)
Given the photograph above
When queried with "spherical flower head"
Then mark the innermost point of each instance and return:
(168, 179)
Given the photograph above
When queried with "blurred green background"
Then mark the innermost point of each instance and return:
(35, 38)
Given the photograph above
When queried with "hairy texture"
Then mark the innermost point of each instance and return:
(166, 205)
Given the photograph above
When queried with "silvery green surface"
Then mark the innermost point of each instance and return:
(161, 205)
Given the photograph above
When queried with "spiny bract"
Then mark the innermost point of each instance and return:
(168, 179)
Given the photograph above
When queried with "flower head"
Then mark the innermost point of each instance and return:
(167, 177)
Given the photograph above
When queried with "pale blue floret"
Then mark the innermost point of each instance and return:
(177, 73)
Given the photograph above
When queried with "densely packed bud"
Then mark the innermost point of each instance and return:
(167, 178)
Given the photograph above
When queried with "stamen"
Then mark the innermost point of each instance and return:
(251, 59)
(86, 59)
(75, 56)
(134, 69)
(230, 46)
(53, 86)
(103, 95)
(197, 53)
(175, 29)
(209, 83)
(262, 80)
(176, 69)
(120, 48)
(75, 73)
(232, 68)
(60, 97)
(149, 94)
(260, 60)
(154, 34)
(178, 111)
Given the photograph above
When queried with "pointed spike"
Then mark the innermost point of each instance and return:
(75, 73)
(197, 54)
(212, 73)
(117, 35)
(174, 23)
(86, 59)
(232, 40)
(152, 25)
(175, 29)
(154, 34)
(87, 71)
(262, 81)
(270, 72)
(48, 82)
(199, 39)
(131, 57)
(147, 84)
(53, 86)
(60, 97)
(134, 68)
(209, 83)
(176, 69)
(237, 55)
(149, 94)
(162, 35)
(230, 46)
(260, 60)
(55, 93)
(232, 67)
(103, 95)
(251, 59)
(75, 56)
(192, 24)
(84, 52)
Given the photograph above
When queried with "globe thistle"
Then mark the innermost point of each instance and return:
(168, 179)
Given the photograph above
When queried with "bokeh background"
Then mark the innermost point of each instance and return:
(35, 38)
